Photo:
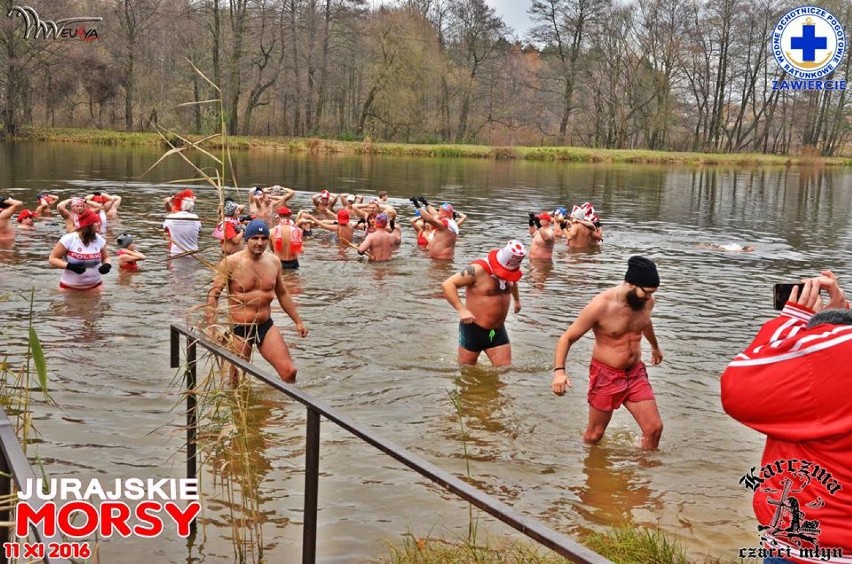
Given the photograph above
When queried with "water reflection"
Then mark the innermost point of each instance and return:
(483, 405)
(79, 316)
(616, 484)
(383, 338)
(538, 273)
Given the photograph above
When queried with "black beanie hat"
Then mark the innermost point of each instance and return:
(642, 272)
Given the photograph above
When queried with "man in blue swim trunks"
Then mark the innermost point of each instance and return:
(490, 285)
(253, 278)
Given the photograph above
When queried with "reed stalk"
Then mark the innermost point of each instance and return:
(224, 429)
(472, 521)
(16, 386)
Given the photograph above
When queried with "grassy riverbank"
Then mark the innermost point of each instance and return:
(622, 545)
(330, 146)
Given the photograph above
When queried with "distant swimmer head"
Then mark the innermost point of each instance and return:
(381, 220)
(124, 240)
(77, 205)
(544, 217)
(284, 211)
(230, 208)
(25, 215)
(343, 217)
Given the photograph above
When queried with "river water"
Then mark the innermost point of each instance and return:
(382, 346)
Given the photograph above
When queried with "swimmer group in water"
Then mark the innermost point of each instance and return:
(263, 238)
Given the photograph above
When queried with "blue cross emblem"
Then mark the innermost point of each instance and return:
(808, 43)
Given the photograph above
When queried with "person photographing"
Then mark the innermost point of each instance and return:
(792, 385)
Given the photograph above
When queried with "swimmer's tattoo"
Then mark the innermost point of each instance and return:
(468, 270)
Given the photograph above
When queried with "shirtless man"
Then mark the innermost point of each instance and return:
(253, 279)
(619, 318)
(8, 207)
(286, 239)
(324, 205)
(45, 203)
(543, 237)
(582, 234)
(443, 244)
(262, 202)
(489, 284)
(349, 202)
(380, 243)
(109, 203)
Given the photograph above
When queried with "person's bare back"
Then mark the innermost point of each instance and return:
(380, 243)
(580, 236)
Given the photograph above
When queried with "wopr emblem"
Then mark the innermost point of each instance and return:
(808, 42)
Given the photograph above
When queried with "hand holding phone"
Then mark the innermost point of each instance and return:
(781, 294)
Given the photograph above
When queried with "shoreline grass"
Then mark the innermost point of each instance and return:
(312, 145)
(622, 544)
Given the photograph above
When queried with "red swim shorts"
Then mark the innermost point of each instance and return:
(610, 387)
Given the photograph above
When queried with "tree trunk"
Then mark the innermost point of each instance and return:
(323, 65)
(129, 86)
(238, 23)
(297, 71)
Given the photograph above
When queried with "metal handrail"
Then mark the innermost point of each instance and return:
(530, 527)
(15, 466)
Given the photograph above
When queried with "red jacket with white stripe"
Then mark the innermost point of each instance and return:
(794, 385)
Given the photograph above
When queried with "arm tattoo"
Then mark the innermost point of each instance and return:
(469, 269)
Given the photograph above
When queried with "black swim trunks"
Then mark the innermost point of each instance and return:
(253, 333)
(290, 264)
(474, 338)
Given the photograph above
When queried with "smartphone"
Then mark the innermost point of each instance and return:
(781, 293)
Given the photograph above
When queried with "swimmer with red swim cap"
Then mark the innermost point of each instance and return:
(81, 254)
(543, 236)
(342, 228)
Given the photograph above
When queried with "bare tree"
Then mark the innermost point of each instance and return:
(562, 26)
(476, 31)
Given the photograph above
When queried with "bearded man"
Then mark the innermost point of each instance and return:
(619, 317)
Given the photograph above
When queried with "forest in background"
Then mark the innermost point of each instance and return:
(679, 75)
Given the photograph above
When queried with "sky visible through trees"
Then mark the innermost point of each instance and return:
(656, 74)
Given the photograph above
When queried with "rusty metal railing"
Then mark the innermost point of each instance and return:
(530, 527)
(14, 467)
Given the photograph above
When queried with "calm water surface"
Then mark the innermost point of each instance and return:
(383, 341)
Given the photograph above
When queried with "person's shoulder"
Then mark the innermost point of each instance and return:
(271, 259)
(67, 238)
(604, 299)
